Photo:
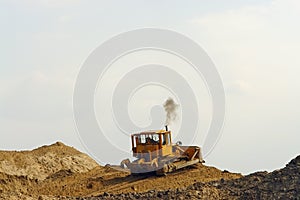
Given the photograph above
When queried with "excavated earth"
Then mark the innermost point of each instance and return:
(61, 172)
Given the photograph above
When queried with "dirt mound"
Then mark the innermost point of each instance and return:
(21, 173)
(45, 161)
(279, 184)
(58, 171)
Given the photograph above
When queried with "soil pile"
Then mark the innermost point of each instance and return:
(61, 172)
(279, 184)
(21, 173)
(45, 161)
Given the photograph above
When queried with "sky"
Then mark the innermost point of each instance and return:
(255, 46)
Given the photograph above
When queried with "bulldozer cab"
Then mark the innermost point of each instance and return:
(155, 143)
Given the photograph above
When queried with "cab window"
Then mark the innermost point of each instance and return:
(166, 139)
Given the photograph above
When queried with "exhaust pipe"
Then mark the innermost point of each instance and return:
(166, 127)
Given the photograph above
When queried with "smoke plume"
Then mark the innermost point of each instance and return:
(171, 110)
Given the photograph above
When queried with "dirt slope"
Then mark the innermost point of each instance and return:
(21, 173)
(279, 184)
(58, 171)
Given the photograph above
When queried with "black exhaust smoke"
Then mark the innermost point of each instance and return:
(171, 111)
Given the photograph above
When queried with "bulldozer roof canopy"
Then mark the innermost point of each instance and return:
(151, 132)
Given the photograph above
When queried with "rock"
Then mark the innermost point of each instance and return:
(134, 188)
(105, 194)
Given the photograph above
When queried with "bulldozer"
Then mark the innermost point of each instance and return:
(155, 152)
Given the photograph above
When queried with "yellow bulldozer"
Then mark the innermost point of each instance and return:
(155, 152)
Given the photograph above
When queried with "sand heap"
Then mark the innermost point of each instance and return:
(21, 172)
(45, 161)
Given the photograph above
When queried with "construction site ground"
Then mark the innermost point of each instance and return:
(61, 172)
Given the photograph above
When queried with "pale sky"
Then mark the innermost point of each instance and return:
(255, 46)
